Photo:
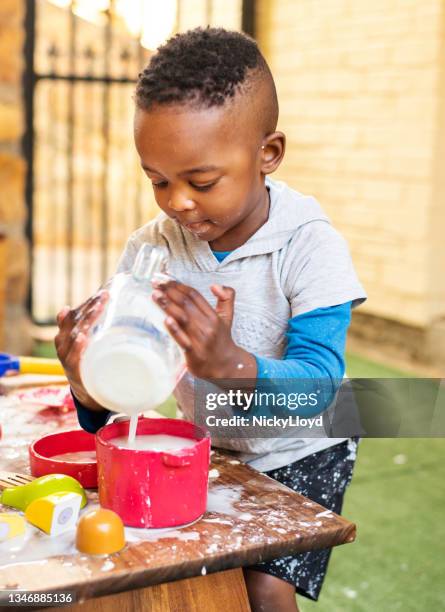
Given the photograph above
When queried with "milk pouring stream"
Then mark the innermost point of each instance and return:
(131, 363)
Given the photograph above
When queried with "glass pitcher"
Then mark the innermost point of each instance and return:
(131, 363)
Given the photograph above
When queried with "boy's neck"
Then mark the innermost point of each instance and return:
(241, 233)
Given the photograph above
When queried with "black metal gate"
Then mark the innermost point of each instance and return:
(85, 190)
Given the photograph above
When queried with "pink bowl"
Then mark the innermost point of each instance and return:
(41, 454)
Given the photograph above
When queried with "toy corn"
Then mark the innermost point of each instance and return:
(11, 525)
(20, 497)
(55, 513)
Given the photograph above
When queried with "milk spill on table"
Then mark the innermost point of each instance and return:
(36, 546)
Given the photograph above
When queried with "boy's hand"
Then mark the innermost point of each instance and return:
(71, 340)
(203, 332)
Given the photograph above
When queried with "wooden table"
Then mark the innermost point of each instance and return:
(251, 518)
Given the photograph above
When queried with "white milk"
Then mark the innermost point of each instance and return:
(124, 374)
(154, 442)
(132, 428)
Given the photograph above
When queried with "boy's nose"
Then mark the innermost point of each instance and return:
(179, 202)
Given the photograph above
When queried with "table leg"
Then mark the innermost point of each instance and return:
(212, 593)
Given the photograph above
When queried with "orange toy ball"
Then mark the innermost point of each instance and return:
(100, 532)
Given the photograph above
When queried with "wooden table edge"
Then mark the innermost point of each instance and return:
(128, 579)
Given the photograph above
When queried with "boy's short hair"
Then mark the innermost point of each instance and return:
(204, 67)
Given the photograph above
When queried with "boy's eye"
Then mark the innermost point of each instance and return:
(164, 184)
(206, 187)
(160, 185)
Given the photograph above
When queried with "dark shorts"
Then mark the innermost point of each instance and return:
(323, 478)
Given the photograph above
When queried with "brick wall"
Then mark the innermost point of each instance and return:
(361, 88)
(14, 329)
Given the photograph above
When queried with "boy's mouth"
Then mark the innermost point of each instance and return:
(198, 227)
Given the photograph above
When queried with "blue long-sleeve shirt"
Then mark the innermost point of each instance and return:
(315, 351)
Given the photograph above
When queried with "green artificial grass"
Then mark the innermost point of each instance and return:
(397, 562)
(361, 367)
(397, 500)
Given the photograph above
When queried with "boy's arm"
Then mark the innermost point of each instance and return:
(315, 346)
(314, 355)
(316, 339)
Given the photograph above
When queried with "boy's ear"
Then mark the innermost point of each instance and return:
(272, 152)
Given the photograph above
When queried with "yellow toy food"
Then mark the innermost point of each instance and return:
(11, 525)
(20, 497)
(40, 365)
(55, 513)
(100, 532)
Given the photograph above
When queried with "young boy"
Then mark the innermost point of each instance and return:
(266, 284)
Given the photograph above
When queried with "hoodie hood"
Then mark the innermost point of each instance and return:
(289, 210)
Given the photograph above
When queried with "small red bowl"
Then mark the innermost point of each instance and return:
(42, 451)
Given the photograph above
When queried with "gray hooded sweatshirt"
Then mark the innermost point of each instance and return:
(295, 262)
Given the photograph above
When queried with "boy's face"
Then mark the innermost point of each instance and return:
(207, 169)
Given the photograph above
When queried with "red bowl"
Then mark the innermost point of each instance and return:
(149, 488)
(42, 451)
